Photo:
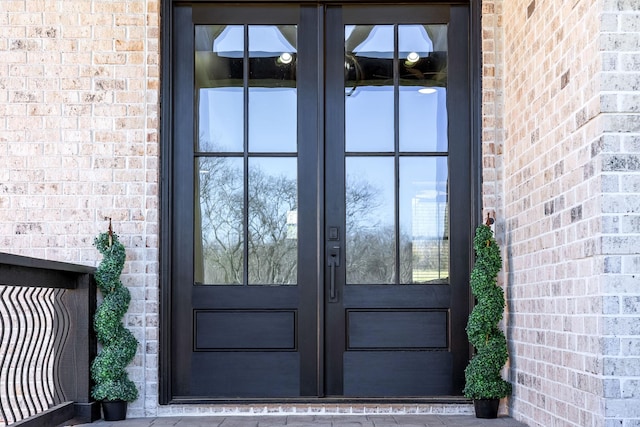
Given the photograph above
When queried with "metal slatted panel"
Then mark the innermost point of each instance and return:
(34, 325)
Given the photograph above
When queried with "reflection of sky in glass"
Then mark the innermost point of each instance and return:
(368, 127)
(369, 119)
(277, 167)
(378, 173)
(221, 119)
(423, 119)
(273, 119)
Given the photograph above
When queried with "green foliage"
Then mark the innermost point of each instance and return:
(108, 369)
(122, 388)
(483, 380)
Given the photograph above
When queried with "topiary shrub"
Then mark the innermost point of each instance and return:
(482, 375)
(111, 381)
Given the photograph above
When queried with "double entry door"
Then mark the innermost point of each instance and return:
(320, 207)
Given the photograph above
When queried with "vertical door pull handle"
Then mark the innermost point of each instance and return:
(333, 260)
(332, 285)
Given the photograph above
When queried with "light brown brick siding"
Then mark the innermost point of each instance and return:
(79, 111)
(569, 79)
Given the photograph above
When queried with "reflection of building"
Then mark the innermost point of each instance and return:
(430, 237)
(292, 225)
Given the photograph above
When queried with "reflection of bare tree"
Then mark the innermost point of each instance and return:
(221, 217)
(371, 256)
(361, 200)
(370, 245)
(272, 231)
(272, 253)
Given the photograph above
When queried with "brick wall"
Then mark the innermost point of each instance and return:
(569, 225)
(493, 132)
(79, 84)
(619, 152)
(551, 204)
(492, 110)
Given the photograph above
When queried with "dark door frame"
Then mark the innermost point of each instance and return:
(167, 184)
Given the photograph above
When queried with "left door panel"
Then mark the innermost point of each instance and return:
(243, 299)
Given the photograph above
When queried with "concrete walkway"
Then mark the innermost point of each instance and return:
(429, 420)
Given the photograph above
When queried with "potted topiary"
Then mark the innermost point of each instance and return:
(484, 384)
(112, 385)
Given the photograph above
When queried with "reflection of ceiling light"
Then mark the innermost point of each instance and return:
(413, 57)
(427, 90)
(285, 58)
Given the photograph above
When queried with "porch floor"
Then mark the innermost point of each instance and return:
(427, 420)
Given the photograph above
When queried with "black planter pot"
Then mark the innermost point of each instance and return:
(114, 410)
(486, 408)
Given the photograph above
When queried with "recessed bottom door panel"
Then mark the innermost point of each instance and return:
(397, 373)
(250, 375)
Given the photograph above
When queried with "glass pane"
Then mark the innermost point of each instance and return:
(273, 221)
(219, 87)
(422, 92)
(424, 220)
(369, 121)
(370, 234)
(272, 88)
(219, 213)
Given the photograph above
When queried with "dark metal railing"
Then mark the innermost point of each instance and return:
(46, 342)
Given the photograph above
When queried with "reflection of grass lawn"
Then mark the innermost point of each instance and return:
(429, 275)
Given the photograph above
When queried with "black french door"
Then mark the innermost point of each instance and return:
(320, 203)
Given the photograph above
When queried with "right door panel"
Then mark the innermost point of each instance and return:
(397, 200)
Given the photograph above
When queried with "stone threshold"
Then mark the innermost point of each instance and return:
(439, 406)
